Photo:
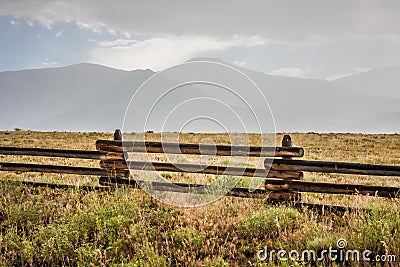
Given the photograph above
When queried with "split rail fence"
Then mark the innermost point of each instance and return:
(283, 180)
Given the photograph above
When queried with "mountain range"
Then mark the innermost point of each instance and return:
(89, 97)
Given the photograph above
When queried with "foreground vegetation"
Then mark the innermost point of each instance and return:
(126, 227)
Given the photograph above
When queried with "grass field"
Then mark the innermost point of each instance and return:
(126, 227)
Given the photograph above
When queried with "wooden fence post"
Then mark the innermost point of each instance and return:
(106, 180)
(286, 142)
(117, 135)
(287, 193)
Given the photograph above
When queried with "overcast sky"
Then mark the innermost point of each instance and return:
(310, 39)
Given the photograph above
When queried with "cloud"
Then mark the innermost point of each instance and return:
(14, 22)
(239, 63)
(160, 52)
(361, 69)
(280, 21)
(116, 43)
(288, 72)
(47, 62)
(343, 75)
(58, 34)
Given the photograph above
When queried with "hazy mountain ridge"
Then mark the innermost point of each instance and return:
(378, 82)
(88, 97)
(33, 97)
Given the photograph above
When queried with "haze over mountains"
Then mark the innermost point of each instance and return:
(88, 97)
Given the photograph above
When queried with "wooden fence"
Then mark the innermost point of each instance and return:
(283, 180)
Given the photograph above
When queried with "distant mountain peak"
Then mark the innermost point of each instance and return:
(87, 65)
(211, 59)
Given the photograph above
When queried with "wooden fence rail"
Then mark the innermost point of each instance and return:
(334, 167)
(332, 188)
(61, 153)
(198, 189)
(197, 149)
(22, 167)
(198, 168)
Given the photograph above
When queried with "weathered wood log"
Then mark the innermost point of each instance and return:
(113, 156)
(276, 187)
(332, 188)
(49, 152)
(199, 189)
(284, 196)
(333, 167)
(57, 186)
(196, 168)
(112, 181)
(198, 149)
(22, 167)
